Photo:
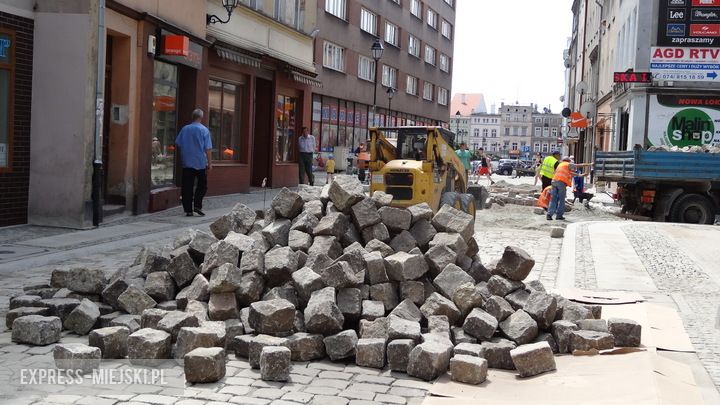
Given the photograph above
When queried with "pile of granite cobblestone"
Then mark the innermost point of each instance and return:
(324, 273)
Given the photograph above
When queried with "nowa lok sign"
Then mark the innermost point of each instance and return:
(685, 64)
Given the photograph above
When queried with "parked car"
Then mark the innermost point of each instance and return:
(507, 166)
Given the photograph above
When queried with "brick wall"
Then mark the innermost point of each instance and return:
(14, 183)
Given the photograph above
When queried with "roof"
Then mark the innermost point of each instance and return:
(468, 104)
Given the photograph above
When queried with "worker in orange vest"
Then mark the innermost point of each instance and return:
(562, 179)
(544, 199)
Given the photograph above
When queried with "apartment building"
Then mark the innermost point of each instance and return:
(409, 84)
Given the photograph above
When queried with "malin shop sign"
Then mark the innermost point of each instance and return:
(685, 64)
(689, 23)
(684, 120)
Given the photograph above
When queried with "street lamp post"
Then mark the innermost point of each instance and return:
(390, 93)
(377, 50)
(457, 123)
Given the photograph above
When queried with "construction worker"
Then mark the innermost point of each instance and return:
(544, 199)
(548, 167)
(562, 179)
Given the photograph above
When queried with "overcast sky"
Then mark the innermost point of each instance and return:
(512, 50)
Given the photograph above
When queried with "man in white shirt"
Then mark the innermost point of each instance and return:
(306, 146)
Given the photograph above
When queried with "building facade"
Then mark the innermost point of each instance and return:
(546, 132)
(110, 98)
(632, 36)
(516, 123)
(416, 64)
(16, 71)
(485, 132)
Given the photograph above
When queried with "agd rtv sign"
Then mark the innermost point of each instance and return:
(684, 120)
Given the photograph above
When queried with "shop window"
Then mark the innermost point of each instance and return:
(285, 128)
(164, 129)
(225, 101)
(6, 43)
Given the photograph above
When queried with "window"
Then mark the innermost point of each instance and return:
(334, 57)
(485, 132)
(507, 131)
(516, 131)
(285, 128)
(6, 74)
(366, 68)
(494, 133)
(555, 132)
(446, 29)
(546, 131)
(225, 100)
(432, 18)
(514, 146)
(290, 12)
(411, 86)
(428, 91)
(524, 131)
(392, 34)
(389, 76)
(368, 21)
(545, 148)
(416, 8)
(430, 54)
(536, 147)
(476, 132)
(414, 46)
(336, 8)
(164, 124)
(444, 63)
(537, 131)
(442, 96)
(253, 4)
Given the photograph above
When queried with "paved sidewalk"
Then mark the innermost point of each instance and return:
(670, 264)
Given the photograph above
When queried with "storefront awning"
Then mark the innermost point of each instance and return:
(237, 57)
(305, 79)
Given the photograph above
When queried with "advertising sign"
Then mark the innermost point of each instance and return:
(684, 120)
(685, 64)
(688, 23)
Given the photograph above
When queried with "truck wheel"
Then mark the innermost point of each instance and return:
(693, 209)
(468, 204)
(452, 199)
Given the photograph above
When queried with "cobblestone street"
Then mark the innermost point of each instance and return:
(673, 272)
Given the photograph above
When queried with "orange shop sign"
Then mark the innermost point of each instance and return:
(577, 120)
(176, 45)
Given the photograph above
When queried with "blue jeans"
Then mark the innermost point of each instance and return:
(557, 199)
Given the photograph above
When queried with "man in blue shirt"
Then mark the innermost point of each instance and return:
(195, 148)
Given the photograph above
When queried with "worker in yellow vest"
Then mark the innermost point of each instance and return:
(562, 179)
(547, 168)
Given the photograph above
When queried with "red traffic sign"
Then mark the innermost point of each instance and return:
(632, 77)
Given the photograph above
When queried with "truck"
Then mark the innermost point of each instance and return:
(419, 164)
(663, 186)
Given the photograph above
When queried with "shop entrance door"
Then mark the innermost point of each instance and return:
(262, 135)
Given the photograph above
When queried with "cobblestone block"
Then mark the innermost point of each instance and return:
(497, 353)
(341, 345)
(205, 365)
(480, 324)
(36, 330)
(275, 363)
(76, 356)
(398, 354)
(626, 332)
(468, 369)
(429, 360)
(148, 344)
(112, 341)
(370, 353)
(585, 340)
(533, 359)
(82, 319)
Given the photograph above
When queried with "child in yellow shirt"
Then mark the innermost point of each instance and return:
(330, 169)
